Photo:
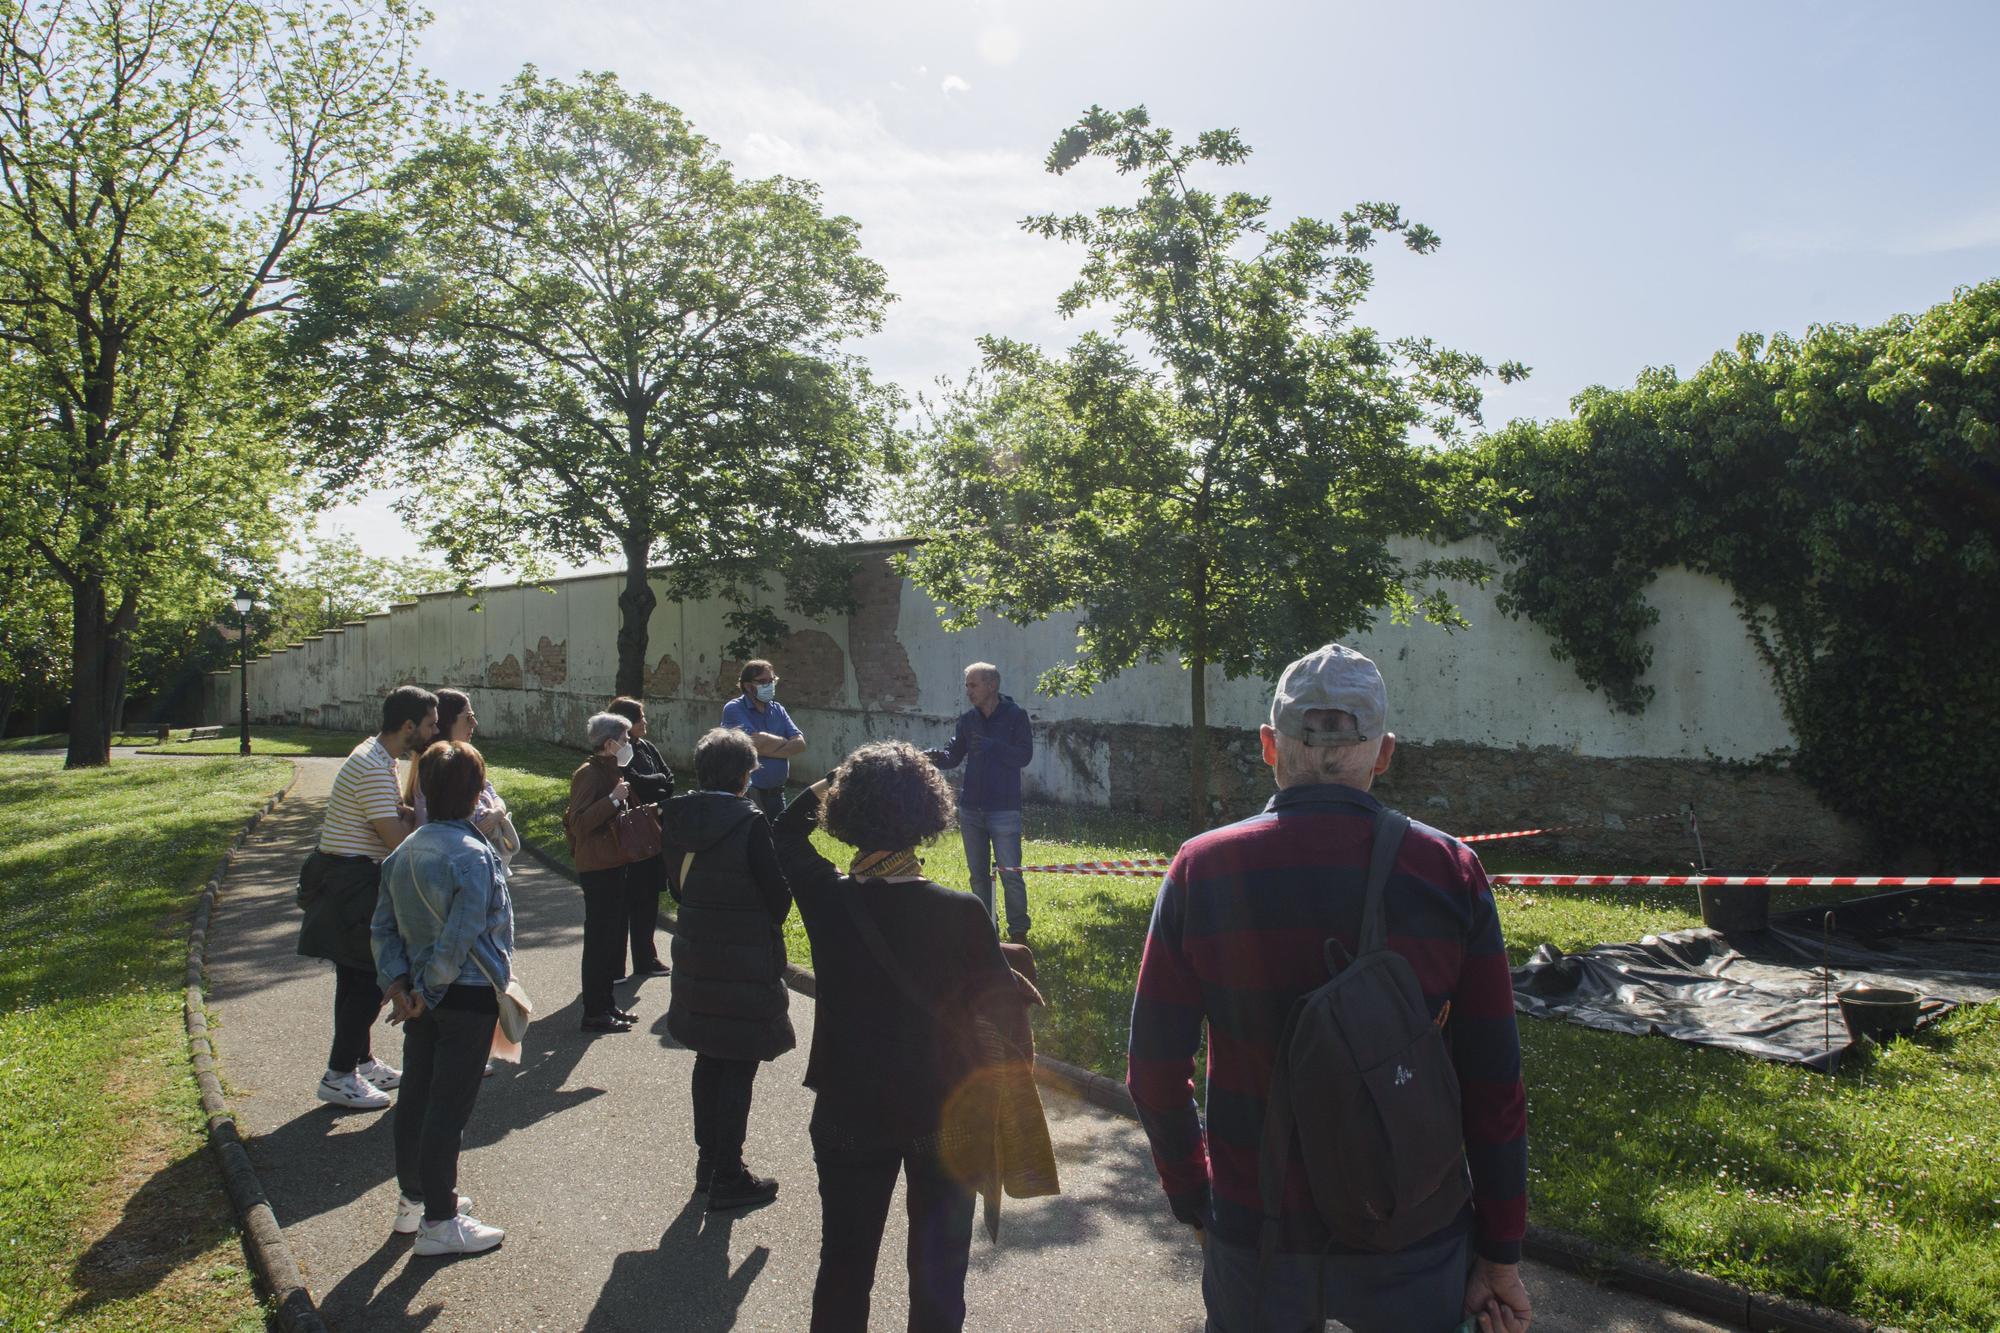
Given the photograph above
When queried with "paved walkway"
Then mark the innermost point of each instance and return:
(584, 1155)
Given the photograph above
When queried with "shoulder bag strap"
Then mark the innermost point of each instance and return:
(472, 950)
(1390, 826)
(871, 935)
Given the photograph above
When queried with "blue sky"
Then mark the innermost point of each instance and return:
(1617, 185)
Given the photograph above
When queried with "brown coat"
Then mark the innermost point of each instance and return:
(592, 843)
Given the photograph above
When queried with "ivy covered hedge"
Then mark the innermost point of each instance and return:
(1846, 485)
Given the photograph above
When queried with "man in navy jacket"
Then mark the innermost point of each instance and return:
(995, 742)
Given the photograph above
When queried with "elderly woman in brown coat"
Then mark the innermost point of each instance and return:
(597, 792)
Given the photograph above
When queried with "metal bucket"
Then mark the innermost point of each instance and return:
(1879, 1011)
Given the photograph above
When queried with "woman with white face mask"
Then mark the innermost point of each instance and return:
(596, 793)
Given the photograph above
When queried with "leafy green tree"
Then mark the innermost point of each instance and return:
(588, 337)
(1221, 477)
(338, 582)
(139, 270)
(1846, 485)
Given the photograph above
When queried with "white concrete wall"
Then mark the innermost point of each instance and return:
(1494, 684)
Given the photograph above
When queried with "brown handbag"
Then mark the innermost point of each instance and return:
(637, 829)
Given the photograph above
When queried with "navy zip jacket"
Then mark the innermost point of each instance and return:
(995, 750)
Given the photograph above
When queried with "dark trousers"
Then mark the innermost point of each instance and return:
(444, 1062)
(356, 1002)
(855, 1186)
(1420, 1289)
(604, 924)
(643, 882)
(721, 1112)
(771, 800)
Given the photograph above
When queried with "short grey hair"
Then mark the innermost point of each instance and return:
(1348, 765)
(603, 727)
(985, 670)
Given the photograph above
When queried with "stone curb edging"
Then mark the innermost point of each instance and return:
(1706, 1296)
(262, 1235)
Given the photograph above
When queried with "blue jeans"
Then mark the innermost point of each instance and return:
(999, 830)
(1417, 1290)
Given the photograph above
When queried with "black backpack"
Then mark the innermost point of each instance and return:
(1364, 1083)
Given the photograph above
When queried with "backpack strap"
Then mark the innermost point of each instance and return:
(1280, 1117)
(1390, 826)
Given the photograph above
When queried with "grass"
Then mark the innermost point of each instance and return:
(59, 740)
(285, 741)
(1876, 1192)
(114, 1217)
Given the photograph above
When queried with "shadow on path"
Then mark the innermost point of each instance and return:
(685, 1283)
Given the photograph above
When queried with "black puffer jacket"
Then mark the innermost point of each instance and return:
(729, 997)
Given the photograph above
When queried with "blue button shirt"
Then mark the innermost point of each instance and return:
(746, 715)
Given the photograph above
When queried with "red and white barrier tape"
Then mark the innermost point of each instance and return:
(1146, 867)
(1752, 881)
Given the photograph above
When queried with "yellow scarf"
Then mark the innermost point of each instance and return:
(885, 865)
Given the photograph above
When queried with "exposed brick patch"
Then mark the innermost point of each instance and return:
(548, 662)
(726, 684)
(814, 670)
(883, 676)
(664, 680)
(504, 674)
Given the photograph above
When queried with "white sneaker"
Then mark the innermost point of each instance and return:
(382, 1076)
(351, 1090)
(461, 1235)
(410, 1212)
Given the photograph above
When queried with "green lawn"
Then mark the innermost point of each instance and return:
(60, 741)
(1876, 1192)
(286, 741)
(113, 1215)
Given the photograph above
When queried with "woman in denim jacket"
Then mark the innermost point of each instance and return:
(443, 936)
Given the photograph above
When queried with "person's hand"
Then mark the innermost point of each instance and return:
(413, 1006)
(1497, 1298)
(406, 813)
(621, 791)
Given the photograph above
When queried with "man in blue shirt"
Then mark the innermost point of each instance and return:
(995, 741)
(772, 731)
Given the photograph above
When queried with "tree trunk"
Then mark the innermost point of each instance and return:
(635, 613)
(8, 694)
(1198, 743)
(89, 718)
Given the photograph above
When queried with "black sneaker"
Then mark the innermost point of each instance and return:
(656, 968)
(624, 1015)
(741, 1190)
(605, 1023)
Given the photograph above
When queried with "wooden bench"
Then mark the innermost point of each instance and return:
(204, 733)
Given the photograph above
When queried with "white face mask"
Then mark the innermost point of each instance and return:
(624, 754)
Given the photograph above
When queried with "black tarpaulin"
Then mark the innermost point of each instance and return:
(1764, 992)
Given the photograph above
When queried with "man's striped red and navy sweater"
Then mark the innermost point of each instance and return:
(1237, 936)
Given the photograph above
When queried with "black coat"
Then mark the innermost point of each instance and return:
(652, 781)
(882, 1069)
(729, 998)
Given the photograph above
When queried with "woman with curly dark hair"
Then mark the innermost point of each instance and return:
(906, 971)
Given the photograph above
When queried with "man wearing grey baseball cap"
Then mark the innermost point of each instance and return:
(1245, 925)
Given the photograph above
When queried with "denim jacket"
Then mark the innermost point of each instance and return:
(459, 874)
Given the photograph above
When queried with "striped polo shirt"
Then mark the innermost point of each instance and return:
(364, 789)
(1237, 936)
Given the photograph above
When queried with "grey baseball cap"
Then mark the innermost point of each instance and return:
(1333, 677)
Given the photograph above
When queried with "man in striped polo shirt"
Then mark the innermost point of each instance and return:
(1237, 936)
(365, 820)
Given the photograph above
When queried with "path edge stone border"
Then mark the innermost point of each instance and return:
(1709, 1297)
(262, 1236)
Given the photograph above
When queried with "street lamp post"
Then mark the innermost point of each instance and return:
(243, 604)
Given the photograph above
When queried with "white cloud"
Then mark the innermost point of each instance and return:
(1000, 44)
(1978, 229)
(953, 84)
